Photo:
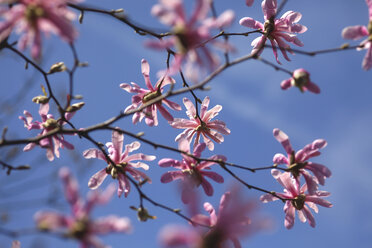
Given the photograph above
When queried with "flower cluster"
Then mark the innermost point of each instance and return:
(201, 124)
(191, 170)
(358, 32)
(79, 225)
(47, 124)
(190, 34)
(230, 223)
(145, 95)
(298, 165)
(301, 80)
(32, 17)
(123, 163)
(276, 30)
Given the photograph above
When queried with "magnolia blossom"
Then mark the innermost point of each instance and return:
(228, 224)
(297, 199)
(47, 124)
(190, 34)
(190, 170)
(16, 244)
(276, 30)
(123, 163)
(32, 17)
(297, 162)
(145, 95)
(79, 224)
(358, 32)
(201, 124)
(300, 79)
(249, 2)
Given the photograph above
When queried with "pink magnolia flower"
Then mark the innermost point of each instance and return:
(297, 162)
(190, 170)
(228, 224)
(32, 17)
(48, 123)
(297, 199)
(249, 2)
(79, 224)
(190, 34)
(123, 163)
(276, 30)
(145, 95)
(300, 79)
(16, 244)
(358, 32)
(201, 125)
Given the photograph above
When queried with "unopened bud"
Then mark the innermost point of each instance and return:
(143, 215)
(81, 17)
(118, 11)
(344, 46)
(83, 64)
(57, 67)
(140, 134)
(40, 99)
(75, 107)
(50, 123)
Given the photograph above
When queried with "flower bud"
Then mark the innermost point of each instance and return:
(143, 215)
(50, 123)
(75, 107)
(57, 67)
(40, 99)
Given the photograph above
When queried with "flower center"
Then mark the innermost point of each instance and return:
(33, 12)
(370, 28)
(269, 27)
(299, 201)
(50, 124)
(194, 175)
(150, 96)
(79, 228)
(202, 127)
(300, 79)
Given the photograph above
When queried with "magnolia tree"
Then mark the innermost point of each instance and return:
(161, 147)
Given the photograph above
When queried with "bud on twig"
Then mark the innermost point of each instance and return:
(57, 67)
(40, 99)
(75, 107)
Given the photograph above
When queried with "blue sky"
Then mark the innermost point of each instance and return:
(253, 104)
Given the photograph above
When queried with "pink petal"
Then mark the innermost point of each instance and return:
(212, 213)
(213, 175)
(269, 8)
(208, 189)
(319, 201)
(96, 180)
(283, 139)
(354, 32)
(71, 186)
(280, 159)
(250, 23)
(111, 224)
(286, 84)
(309, 216)
(289, 215)
(249, 2)
(171, 176)
(367, 61)
(94, 153)
(191, 112)
(268, 198)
